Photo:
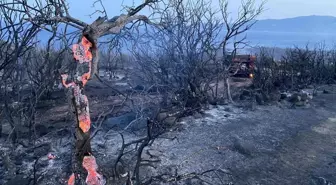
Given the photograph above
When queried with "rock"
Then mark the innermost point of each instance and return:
(307, 94)
(170, 121)
(301, 98)
(161, 116)
(154, 153)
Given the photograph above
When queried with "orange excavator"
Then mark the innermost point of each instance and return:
(243, 66)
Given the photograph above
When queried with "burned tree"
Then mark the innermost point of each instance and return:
(16, 41)
(295, 68)
(44, 14)
(189, 61)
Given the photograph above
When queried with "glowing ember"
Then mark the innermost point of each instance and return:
(83, 56)
(84, 122)
(93, 178)
(71, 180)
(51, 156)
(82, 51)
(85, 78)
(84, 113)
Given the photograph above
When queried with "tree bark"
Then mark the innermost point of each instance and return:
(228, 89)
(75, 82)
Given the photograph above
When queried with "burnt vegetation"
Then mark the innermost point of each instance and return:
(155, 69)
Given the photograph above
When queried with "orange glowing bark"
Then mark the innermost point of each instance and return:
(82, 55)
(86, 77)
(84, 122)
(82, 51)
(93, 178)
(80, 103)
(71, 180)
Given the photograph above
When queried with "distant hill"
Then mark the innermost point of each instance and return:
(304, 24)
(297, 31)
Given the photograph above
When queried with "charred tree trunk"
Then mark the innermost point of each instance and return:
(228, 89)
(75, 81)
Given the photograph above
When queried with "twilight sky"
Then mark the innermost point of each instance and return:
(293, 8)
(275, 9)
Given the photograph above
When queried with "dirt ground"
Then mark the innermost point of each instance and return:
(268, 146)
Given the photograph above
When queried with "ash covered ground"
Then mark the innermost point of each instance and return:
(273, 144)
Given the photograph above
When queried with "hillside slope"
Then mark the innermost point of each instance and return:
(304, 24)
